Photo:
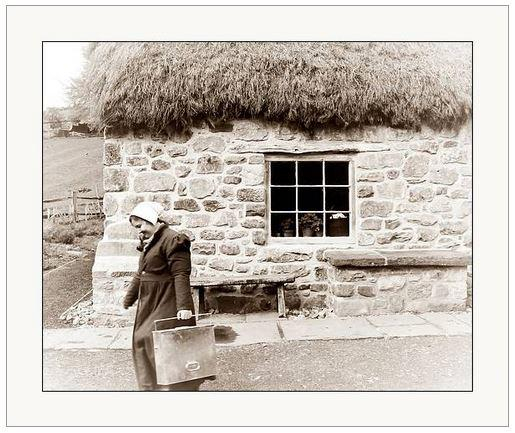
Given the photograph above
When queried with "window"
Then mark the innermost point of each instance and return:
(310, 197)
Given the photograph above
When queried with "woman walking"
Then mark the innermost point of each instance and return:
(161, 288)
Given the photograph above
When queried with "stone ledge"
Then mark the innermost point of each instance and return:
(376, 258)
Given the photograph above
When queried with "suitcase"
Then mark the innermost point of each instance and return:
(183, 353)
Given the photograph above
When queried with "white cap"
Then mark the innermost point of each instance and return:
(147, 210)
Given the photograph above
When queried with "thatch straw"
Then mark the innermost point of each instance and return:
(158, 85)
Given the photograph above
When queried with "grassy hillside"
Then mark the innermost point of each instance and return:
(71, 163)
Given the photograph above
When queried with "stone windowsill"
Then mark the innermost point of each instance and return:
(374, 258)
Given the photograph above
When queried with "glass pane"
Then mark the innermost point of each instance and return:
(282, 198)
(282, 172)
(337, 198)
(283, 224)
(337, 224)
(336, 172)
(310, 172)
(310, 198)
(311, 224)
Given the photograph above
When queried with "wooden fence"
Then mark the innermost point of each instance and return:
(73, 205)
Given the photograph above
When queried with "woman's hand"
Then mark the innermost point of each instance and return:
(184, 314)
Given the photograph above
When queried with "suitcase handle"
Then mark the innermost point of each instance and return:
(174, 318)
(192, 366)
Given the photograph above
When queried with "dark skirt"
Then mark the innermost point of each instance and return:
(156, 301)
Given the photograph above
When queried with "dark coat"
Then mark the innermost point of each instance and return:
(162, 287)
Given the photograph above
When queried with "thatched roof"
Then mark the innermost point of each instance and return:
(158, 85)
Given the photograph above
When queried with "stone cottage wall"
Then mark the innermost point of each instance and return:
(413, 191)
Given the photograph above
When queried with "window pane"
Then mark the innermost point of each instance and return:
(310, 172)
(310, 198)
(337, 224)
(336, 172)
(311, 224)
(283, 224)
(337, 198)
(282, 198)
(282, 172)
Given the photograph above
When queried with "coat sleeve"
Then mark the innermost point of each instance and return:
(132, 292)
(179, 261)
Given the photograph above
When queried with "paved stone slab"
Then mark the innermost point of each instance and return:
(359, 327)
(79, 338)
(410, 330)
(123, 340)
(265, 316)
(448, 323)
(222, 318)
(327, 329)
(396, 320)
(252, 333)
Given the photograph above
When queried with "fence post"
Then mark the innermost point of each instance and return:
(74, 202)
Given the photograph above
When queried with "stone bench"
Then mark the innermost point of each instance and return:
(198, 286)
(381, 258)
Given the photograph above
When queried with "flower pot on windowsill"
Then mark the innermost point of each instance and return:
(307, 232)
(288, 233)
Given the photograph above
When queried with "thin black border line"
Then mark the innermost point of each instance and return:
(7, 6)
(237, 391)
(260, 5)
(6, 216)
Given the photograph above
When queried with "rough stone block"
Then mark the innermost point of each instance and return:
(236, 234)
(251, 194)
(210, 143)
(222, 264)
(365, 191)
(379, 160)
(416, 165)
(213, 205)
(110, 204)
(259, 237)
(210, 234)
(175, 150)
(443, 175)
(182, 170)
(201, 187)
(343, 290)
(253, 223)
(231, 249)
(132, 148)
(197, 220)
(116, 179)
(253, 209)
(371, 208)
(209, 164)
(395, 189)
(154, 149)
(453, 227)
(154, 182)
(351, 307)
(370, 176)
(136, 161)
(112, 153)
(205, 248)
(188, 204)
(417, 194)
(160, 164)
(366, 239)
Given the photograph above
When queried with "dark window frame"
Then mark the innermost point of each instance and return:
(351, 213)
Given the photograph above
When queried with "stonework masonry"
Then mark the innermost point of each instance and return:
(412, 191)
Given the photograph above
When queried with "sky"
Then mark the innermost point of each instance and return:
(62, 61)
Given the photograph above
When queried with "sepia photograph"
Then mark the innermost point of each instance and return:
(257, 216)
